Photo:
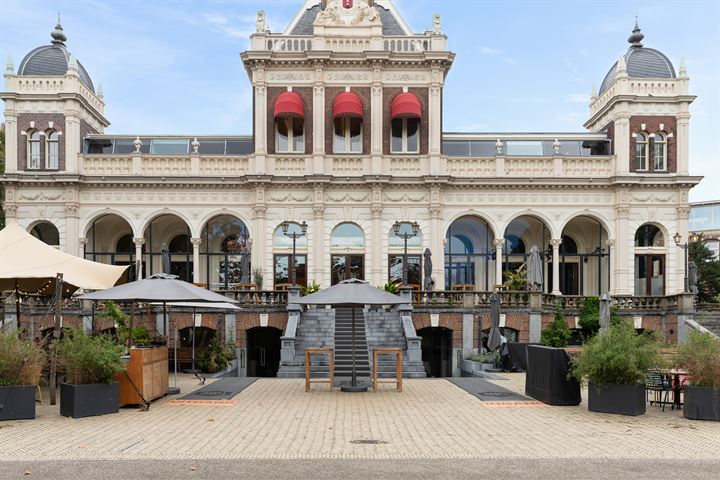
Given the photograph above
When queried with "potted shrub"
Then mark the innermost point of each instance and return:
(214, 357)
(89, 364)
(481, 361)
(699, 356)
(21, 364)
(615, 363)
(558, 334)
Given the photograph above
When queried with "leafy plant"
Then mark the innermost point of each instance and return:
(590, 317)
(558, 334)
(708, 271)
(617, 356)
(391, 287)
(490, 357)
(21, 361)
(87, 359)
(214, 357)
(699, 356)
(258, 278)
(138, 336)
(516, 281)
(312, 288)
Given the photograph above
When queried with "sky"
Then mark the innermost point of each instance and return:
(173, 66)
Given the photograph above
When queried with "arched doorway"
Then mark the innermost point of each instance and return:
(649, 261)
(173, 233)
(584, 258)
(347, 259)
(521, 235)
(437, 351)
(109, 239)
(469, 256)
(263, 351)
(46, 232)
(225, 253)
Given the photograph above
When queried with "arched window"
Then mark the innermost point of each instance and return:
(282, 241)
(234, 245)
(125, 244)
(514, 245)
(180, 244)
(51, 150)
(649, 261)
(33, 152)
(469, 254)
(347, 259)
(641, 149)
(660, 152)
(405, 126)
(347, 235)
(348, 119)
(649, 236)
(568, 246)
(290, 135)
(46, 232)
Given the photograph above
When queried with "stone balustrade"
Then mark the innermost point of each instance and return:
(271, 42)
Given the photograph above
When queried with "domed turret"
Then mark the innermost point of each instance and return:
(53, 59)
(640, 62)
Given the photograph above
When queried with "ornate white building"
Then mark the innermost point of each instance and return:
(347, 137)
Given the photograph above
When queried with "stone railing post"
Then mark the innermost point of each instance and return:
(685, 314)
(535, 304)
(287, 341)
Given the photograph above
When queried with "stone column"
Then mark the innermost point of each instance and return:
(319, 121)
(622, 145)
(498, 260)
(376, 123)
(11, 138)
(139, 242)
(71, 134)
(257, 254)
(316, 249)
(435, 124)
(196, 260)
(683, 142)
(623, 264)
(261, 112)
(556, 242)
(376, 208)
(82, 241)
(437, 237)
(611, 273)
(72, 228)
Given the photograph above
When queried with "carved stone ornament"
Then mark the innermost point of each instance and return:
(683, 212)
(71, 210)
(137, 143)
(10, 210)
(556, 146)
(260, 22)
(139, 242)
(623, 211)
(437, 24)
(344, 13)
(195, 145)
(499, 146)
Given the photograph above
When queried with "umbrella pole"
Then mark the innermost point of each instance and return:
(17, 309)
(193, 340)
(354, 374)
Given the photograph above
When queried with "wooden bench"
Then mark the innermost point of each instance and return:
(318, 351)
(398, 367)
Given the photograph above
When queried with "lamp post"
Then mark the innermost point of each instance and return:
(294, 234)
(685, 246)
(405, 235)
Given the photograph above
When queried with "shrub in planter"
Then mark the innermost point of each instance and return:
(486, 360)
(21, 364)
(214, 357)
(699, 356)
(89, 364)
(615, 363)
(558, 334)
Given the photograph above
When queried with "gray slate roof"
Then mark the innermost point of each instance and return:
(304, 26)
(52, 60)
(642, 62)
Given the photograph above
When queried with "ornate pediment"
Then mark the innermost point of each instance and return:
(347, 13)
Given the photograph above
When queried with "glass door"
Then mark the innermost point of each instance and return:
(345, 267)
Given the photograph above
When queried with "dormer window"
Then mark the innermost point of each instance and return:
(33, 151)
(289, 123)
(641, 150)
(52, 151)
(660, 152)
(348, 123)
(405, 124)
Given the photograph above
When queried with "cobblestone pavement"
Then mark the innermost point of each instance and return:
(276, 419)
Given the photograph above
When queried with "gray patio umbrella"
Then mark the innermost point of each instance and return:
(352, 293)
(535, 270)
(165, 259)
(692, 278)
(605, 310)
(494, 340)
(245, 267)
(427, 268)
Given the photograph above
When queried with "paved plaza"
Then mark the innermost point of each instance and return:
(431, 420)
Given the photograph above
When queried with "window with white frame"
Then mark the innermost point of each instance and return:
(348, 135)
(660, 152)
(641, 149)
(33, 151)
(405, 135)
(290, 135)
(52, 150)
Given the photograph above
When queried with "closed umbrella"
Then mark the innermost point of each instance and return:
(494, 336)
(605, 310)
(692, 278)
(245, 267)
(429, 283)
(352, 293)
(535, 270)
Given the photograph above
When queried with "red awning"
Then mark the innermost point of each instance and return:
(347, 104)
(289, 104)
(406, 105)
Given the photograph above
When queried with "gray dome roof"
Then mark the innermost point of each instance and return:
(641, 62)
(52, 60)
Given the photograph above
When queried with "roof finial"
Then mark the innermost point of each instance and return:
(683, 67)
(637, 36)
(100, 92)
(9, 67)
(58, 36)
(593, 94)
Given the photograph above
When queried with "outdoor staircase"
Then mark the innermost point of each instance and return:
(344, 342)
(709, 320)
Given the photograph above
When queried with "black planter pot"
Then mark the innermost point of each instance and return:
(702, 403)
(617, 399)
(80, 401)
(17, 402)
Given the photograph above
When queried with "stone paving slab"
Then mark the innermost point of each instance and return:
(276, 419)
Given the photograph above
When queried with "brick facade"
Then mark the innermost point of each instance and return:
(451, 321)
(42, 123)
(652, 125)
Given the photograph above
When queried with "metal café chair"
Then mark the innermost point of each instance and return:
(654, 382)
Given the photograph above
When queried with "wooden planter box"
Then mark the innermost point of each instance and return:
(702, 403)
(17, 402)
(148, 371)
(78, 401)
(617, 399)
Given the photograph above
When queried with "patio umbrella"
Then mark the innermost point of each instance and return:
(494, 340)
(692, 278)
(605, 310)
(427, 267)
(352, 293)
(165, 259)
(534, 270)
(245, 267)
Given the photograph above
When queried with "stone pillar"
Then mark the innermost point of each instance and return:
(556, 265)
(72, 228)
(376, 124)
(376, 208)
(437, 237)
(139, 242)
(261, 112)
(467, 331)
(11, 138)
(318, 123)
(82, 241)
(622, 146)
(623, 264)
(499, 260)
(71, 134)
(196, 261)
(611, 274)
(683, 142)
(316, 249)
(257, 255)
(435, 123)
